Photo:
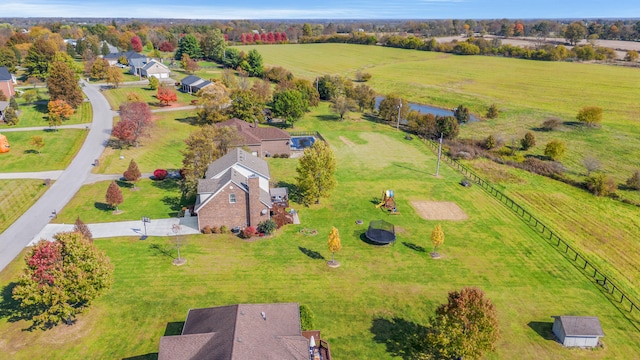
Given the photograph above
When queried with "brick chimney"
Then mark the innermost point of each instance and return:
(255, 206)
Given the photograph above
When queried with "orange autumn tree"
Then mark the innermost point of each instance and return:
(166, 95)
(60, 108)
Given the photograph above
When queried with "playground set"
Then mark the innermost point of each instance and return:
(388, 202)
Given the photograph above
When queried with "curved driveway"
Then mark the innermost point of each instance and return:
(21, 232)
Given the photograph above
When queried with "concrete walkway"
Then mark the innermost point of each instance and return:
(55, 174)
(157, 227)
(85, 126)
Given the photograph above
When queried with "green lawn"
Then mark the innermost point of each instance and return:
(118, 96)
(35, 114)
(154, 199)
(160, 150)
(59, 149)
(208, 70)
(527, 92)
(377, 293)
(16, 196)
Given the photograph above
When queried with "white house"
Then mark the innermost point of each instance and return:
(155, 69)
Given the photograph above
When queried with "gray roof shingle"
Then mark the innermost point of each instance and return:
(242, 158)
(580, 325)
(5, 75)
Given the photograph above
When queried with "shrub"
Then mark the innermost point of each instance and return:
(492, 112)
(206, 229)
(284, 156)
(160, 174)
(248, 232)
(215, 230)
(601, 185)
(634, 181)
(551, 124)
(267, 227)
(555, 149)
(490, 142)
(153, 83)
(528, 141)
(275, 156)
(306, 318)
(590, 115)
(224, 229)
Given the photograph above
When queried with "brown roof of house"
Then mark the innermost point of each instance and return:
(580, 325)
(256, 134)
(243, 332)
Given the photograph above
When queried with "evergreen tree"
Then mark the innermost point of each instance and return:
(189, 45)
(10, 116)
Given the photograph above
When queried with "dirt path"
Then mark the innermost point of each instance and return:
(439, 210)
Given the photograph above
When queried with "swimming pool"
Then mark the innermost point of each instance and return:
(301, 142)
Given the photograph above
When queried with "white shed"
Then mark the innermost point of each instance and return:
(581, 331)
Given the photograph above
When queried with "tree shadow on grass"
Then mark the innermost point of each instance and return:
(166, 184)
(162, 250)
(311, 253)
(102, 206)
(327, 117)
(174, 203)
(191, 120)
(401, 337)
(30, 151)
(294, 192)
(413, 246)
(42, 107)
(10, 308)
(124, 184)
(150, 356)
(174, 328)
(544, 329)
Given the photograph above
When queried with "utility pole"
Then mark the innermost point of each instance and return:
(399, 108)
(439, 154)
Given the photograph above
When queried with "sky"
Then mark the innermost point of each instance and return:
(323, 9)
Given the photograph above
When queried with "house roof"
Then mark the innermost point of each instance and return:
(4, 105)
(213, 186)
(153, 63)
(242, 158)
(255, 135)
(195, 81)
(137, 62)
(5, 75)
(244, 331)
(129, 55)
(580, 325)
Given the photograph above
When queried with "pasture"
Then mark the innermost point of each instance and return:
(379, 294)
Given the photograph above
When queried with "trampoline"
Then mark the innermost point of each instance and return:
(381, 232)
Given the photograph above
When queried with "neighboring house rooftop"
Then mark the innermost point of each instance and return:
(129, 55)
(253, 134)
(245, 332)
(193, 80)
(580, 325)
(154, 63)
(5, 75)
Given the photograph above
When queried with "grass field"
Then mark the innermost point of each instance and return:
(35, 114)
(160, 150)
(527, 92)
(118, 96)
(59, 149)
(16, 196)
(378, 293)
(154, 199)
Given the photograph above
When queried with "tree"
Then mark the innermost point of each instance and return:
(461, 113)
(190, 65)
(114, 76)
(60, 108)
(9, 60)
(342, 105)
(601, 184)
(555, 149)
(334, 244)
(254, 63)
(202, 148)
(54, 120)
(166, 95)
(447, 126)
(10, 116)
(307, 30)
(214, 103)
(154, 83)
(82, 228)
(528, 141)
(114, 196)
(63, 84)
(634, 181)
(490, 142)
(393, 108)
(105, 49)
(591, 164)
(233, 58)
(37, 142)
(135, 122)
(213, 45)
(575, 32)
(246, 105)
(136, 44)
(437, 238)
(316, 169)
(309, 93)
(39, 58)
(289, 104)
(132, 173)
(184, 61)
(365, 97)
(99, 69)
(492, 112)
(465, 327)
(61, 279)
(188, 45)
(590, 115)
(306, 318)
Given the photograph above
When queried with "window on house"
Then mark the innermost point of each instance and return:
(232, 198)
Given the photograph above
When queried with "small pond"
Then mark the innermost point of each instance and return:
(426, 109)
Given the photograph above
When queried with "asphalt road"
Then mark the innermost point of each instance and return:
(34, 220)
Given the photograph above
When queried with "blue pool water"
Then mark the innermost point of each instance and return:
(301, 142)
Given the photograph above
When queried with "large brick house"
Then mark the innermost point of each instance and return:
(244, 332)
(235, 192)
(262, 141)
(7, 82)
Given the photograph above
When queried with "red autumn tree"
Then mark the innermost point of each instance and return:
(124, 132)
(270, 38)
(136, 43)
(114, 195)
(45, 260)
(263, 37)
(132, 173)
(283, 36)
(166, 95)
(256, 37)
(277, 37)
(135, 123)
(166, 46)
